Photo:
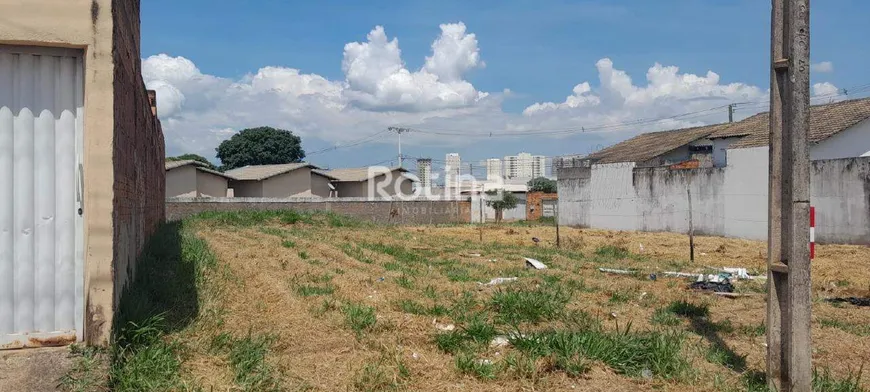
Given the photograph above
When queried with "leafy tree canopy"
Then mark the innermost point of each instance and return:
(260, 146)
(500, 200)
(191, 157)
(542, 184)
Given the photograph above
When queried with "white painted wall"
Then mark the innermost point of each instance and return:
(730, 201)
(852, 142)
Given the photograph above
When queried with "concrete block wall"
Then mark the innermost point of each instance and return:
(419, 211)
(138, 150)
(730, 201)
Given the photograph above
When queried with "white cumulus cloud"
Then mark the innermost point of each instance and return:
(824, 89)
(822, 67)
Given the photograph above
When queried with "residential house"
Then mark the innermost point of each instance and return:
(283, 180)
(194, 179)
(83, 176)
(370, 181)
(646, 182)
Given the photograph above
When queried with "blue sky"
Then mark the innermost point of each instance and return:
(539, 51)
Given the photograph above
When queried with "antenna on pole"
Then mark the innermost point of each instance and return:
(399, 131)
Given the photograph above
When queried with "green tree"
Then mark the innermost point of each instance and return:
(192, 157)
(500, 200)
(260, 146)
(542, 184)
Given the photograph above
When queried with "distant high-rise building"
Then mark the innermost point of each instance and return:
(539, 166)
(452, 170)
(424, 172)
(524, 165)
(493, 169)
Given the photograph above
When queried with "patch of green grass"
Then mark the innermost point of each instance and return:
(458, 274)
(430, 292)
(624, 351)
(662, 316)
(719, 355)
(621, 296)
(288, 244)
(752, 329)
(359, 318)
(338, 220)
(303, 255)
(405, 282)
(143, 360)
(612, 252)
(517, 305)
(355, 252)
(481, 368)
(823, 380)
(308, 290)
(87, 372)
(247, 357)
(463, 306)
(273, 231)
(477, 331)
(852, 328)
(450, 342)
(399, 253)
(381, 376)
(163, 297)
(688, 309)
(414, 307)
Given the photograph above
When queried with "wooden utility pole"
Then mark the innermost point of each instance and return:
(789, 352)
(731, 112)
(691, 228)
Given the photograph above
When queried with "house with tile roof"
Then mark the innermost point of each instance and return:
(837, 130)
(371, 181)
(282, 180)
(190, 178)
(645, 183)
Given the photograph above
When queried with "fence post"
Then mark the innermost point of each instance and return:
(556, 216)
(691, 228)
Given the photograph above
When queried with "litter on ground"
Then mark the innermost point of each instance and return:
(496, 281)
(857, 301)
(532, 263)
(616, 271)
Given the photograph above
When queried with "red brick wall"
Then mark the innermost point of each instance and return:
(534, 204)
(138, 149)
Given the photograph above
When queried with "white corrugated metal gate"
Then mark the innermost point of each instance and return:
(41, 242)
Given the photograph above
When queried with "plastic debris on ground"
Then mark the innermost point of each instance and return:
(532, 263)
(616, 271)
(857, 301)
(496, 281)
(499, 341)
(715, 283)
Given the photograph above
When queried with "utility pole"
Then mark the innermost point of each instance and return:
(470, 169)
(399, 131)
(731, 112)
(789, 350)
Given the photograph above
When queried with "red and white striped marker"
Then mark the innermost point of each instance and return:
(812, 232)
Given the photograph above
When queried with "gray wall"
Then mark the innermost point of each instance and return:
(181, 182)
(247, 188)
(319, 185)
(210, 185)
(288, 184)
(730, 201)
(419, 211)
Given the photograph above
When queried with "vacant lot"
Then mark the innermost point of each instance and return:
(286, 301)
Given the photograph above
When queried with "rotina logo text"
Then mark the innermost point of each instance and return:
(386, 182)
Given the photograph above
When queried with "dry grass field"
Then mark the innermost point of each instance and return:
(286, 301)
